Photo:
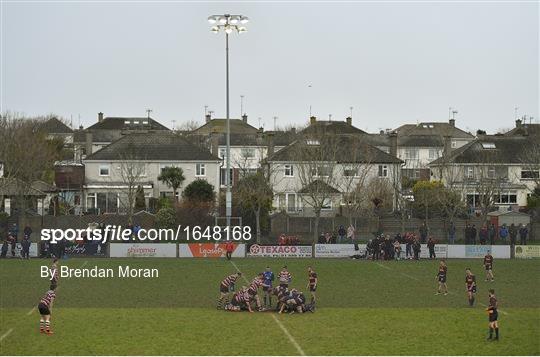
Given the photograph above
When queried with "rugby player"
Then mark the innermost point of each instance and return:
(268, 278)
(54, 274)
(470, 286)
(225, 287)
(488, 264)
(493, 316)
(253, 289)
(240, 300)
(312, 283)
(295, 302)
(45, 307)
(441, 276)
(284, 277)
(282, 295)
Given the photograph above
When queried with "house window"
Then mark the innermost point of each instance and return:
(327, 204)
(491, 172)
(527, 174)
(411, 154)
(469, 172)
(200, 170)
(321, 171)
(291, 202)
(453, 144)
(104, 170)
(383, 171)
(509, 197)
(350, 171)
(247, 153)
(488, 145)
(289, 171)
(312, 142)
(90, 201)
(433, 153)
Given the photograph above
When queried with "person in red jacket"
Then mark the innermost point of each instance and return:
(229, 249)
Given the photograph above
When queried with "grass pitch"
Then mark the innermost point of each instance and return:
(363, 308)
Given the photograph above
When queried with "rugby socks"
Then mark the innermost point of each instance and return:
(47, 326)
(490, 333)
(496, 333)
(41, 325)
(220, 303)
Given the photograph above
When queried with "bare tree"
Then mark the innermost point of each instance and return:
(132, 170)
(189, 125)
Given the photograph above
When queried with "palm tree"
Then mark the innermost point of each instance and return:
(172, 177)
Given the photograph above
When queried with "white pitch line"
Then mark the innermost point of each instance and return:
(503, 312)
(281, 326)
(6, 334)
(31, 311)
(410, 276)
(383, 266)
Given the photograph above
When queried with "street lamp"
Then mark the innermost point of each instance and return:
(228, 24)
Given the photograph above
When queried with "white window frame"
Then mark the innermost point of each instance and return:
(469, 172)
(107, 167)
(326, 206)
(290, 168)
(537, 171)
(200, 170)
(287, 207)
(382, 171)
(433, 153)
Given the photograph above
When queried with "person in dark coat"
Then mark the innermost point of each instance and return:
(473, 234)
(423, 232)
(416, 249)
(431, 247)
(512, 231)
(523, 231)
(483, 235)
(467, 234)
(492, 232)
(25, 245)
(5, 247)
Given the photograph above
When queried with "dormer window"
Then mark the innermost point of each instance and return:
(312, 142)
(488, 146)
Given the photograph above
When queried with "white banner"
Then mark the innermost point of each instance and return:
(478, 251)
(32, 252)
(441, 250)
(209, 250)
(281, 251)
(142, 250)
(338, 250)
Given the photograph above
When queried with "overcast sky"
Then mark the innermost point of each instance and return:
(394, 63)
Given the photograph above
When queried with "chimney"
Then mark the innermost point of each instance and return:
(452, 122)
(99, 117)
(244, 118)
(518, 123)
(88, 142)
(313, 120)
(293, 130)
(349, 120)
(393, 143)
(208, 117)
(270, 144)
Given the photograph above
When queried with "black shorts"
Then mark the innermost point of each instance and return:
(488, 266)
(442, 278)
(472, 289)
(43, 309)
(313, 288)
(223, 289)
(493, 316)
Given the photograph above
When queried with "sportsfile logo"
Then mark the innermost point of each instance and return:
(109, 233)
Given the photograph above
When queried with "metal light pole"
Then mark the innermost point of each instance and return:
(228, 23)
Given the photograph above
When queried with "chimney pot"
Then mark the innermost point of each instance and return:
(313, 120)
(208, 117)
(100, 117)
(349, 120)
(244, 118)
(518, 123)
(452, 122)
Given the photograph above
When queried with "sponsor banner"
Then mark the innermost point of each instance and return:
(209, 250)
(142, 250)
(478, 251)
(441, 250)
(527, 251)
(86, 249)
(281, 251)
(338, 250)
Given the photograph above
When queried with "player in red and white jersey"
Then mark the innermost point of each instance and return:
(253, 289)
(226, 287)
(241, 299)
(45, 307)
(284, 277)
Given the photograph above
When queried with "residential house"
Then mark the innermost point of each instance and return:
(138, 159)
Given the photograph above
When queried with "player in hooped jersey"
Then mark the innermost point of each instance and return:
(493, 316)
(313, 280)
(226, 287)
(240, 300)
(284, 277)
(441, 277)
(488, 264)
(470, 286)
(45, 307)
(253, 289)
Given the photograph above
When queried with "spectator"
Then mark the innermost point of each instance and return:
(14, 231)
(473, 234)
(376, 248)
(328, 238)
(27, 231)
(4, 250)
(408, 245)
(513, 234)
(25, 244)
(431, 247)
(492, 232)
(483, 235)
(397, 248)
(341, 234)
(503, 233)
(416, 249)
(523, 231)
(452, 233)
(13, 242)
(350, 233)
(468, 234)
(423, 232)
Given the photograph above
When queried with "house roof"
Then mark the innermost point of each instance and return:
(438, 129)
(491, 149)
(127, 123)
(237, 126)
(14, 187)
(507, 213)
(420, 140)
(525, 130)
(318, 186)
(163, 145)
(349, 149)
(334, 127)
(55, 126)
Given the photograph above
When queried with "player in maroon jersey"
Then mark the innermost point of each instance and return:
(45, 307)
(470, 286)
(225, 288)
(488, 264)
(441, 277)
(493, 316)
(313, 281)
